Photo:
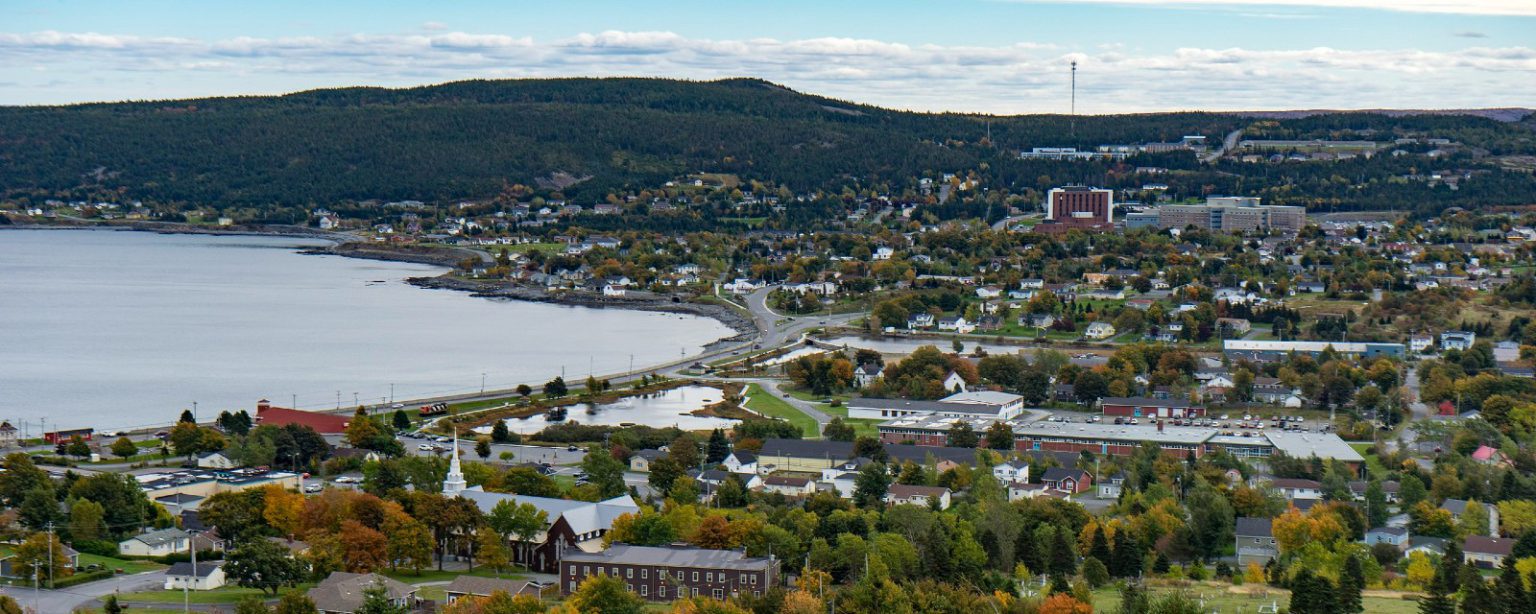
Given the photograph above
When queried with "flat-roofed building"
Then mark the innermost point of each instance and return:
(1242, 348)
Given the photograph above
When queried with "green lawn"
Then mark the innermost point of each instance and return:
(1372, 462)
(1218, 599)
(548, 248)
(127, 565)
(225, 594)
(861, 426)
(761, 401)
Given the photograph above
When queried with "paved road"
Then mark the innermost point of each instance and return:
(1228, 143)
(66, 600)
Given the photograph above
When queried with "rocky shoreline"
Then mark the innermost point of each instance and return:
(744, 327)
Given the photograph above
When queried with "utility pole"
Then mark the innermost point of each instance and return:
(1074, 98)
(391, 392)
(194, 412)
(482, 382)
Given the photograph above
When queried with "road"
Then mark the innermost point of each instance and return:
(1228, 143)
(66, 600)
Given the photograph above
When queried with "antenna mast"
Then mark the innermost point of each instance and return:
(1074, 98)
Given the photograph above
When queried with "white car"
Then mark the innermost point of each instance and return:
(426, 447)
(347, 479)
(312, 488)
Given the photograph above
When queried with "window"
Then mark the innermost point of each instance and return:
(573, 586)
(645, 573)
(743, 577)
(629, 587)
(695, 576)
(586, 570)
(629, 572)
(643, 589)
(752, 580)
(661, 591)
(719, 593)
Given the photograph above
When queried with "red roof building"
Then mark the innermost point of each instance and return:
(328, 424)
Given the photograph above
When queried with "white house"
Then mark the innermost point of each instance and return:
(1457, 340)
(215, 460)
(206, 577)
(883, 253)
(954, 382)
(1100, 330)
(921, 320)
(1019, 491)
(613, 290)
(957, 324)
(1110, 488)
(155, 543)
(741, 461)
(988, 292)
(844, 483)
(925, 496)
(866, 374)
(1011, 471)
(1295, 488)
(790, 486)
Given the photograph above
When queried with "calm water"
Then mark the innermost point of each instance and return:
(668, 408)
(119, 329)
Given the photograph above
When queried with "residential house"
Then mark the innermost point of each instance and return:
(1429, 546)
(741, 461)
(920, 320)
(205, 577)
(925, 496)
(1019, 491)
(1490, 456)
(640, 461)
(1233, 326)
(1100, 330)
(215, 460)
(988, 292)
(1066, 479)
(866, 374)
(1396, 536)
(343, 592)
(1297, 488)
(1111, 487)
(1011, 471)
(1255, 541)
(8, 562)
(155, 543)
(474, 586)
(1457, 340)
(1457, 507)
(1487, 552)
(1421, 343)
(957, 325)
(954, 383)
(664, 573)
(789, 485)
(1274, 392)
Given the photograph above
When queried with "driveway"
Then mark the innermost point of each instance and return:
(66, 600)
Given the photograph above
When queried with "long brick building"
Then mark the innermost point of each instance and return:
(673, 572)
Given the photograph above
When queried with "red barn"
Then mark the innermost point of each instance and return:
(326, 424)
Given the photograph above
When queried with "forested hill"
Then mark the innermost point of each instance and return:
(469, 139)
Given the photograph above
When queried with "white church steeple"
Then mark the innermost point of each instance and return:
(455, 483)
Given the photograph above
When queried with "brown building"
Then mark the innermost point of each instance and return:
(673, 572)
(1080, 206)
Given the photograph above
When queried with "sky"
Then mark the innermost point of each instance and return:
(986, 56)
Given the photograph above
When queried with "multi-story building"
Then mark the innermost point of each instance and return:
(1232, 214)
(667, 573)
(1080, 205)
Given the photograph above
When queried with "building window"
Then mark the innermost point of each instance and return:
(645, 573)
(719, 593)
(695, 576)
(629, 572)
(586, 570)
(661, 591)
(643, 589)
(743, 578)
(573, 586)
(752, 580)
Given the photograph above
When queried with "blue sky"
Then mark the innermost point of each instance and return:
(996, 56)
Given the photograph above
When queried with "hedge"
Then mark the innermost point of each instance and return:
(81, 578)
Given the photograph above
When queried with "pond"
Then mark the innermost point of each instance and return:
(662, 409)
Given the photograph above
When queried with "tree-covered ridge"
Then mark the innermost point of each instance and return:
(470, 138)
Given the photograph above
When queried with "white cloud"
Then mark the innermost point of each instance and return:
(1016, 78)
(1465, 7)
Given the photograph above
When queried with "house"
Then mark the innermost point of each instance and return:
(1065, 479)
(988, 292)
(664, 573)
(1100, 330)
(1490, 456)
(1038, 320)
(1486, 552)
(789, 486)
(1274, 392)
(1234, 326)
(841, 482)
(8, 562)
(343, 593)
(1297, 488)
(325, 424)
(205, 577)
(1429, 546)
(474, 586)
(1457, 507)
(925, 496)
(1457, 340)
(1019, 491)
(1111, 488)
(957, 324)
(569, 526)
(921, 320)
(1255, 541)
(1421, 343)
(614, 290)
(155, 543)
(866, 374)
(1145, 407)
(1011, 471)
(640, 461)
(741, 461)
(954, 383)
(215, 460)
(711, 479)
(176, 503)
(1396, 536)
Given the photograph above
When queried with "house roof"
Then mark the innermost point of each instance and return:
(1498, 546)
(1061, 473)
(582, 516)
(780, 480)
(322, 423)
(744, 457)
(1254, 527)
(1295, 483)
(1146, 402)
(905, 491)
(159, 538)
(184, 569)
(1455, 506)
(482, 587)
(1389, 530)
(180, 498)
(343, 592)
(673, 556)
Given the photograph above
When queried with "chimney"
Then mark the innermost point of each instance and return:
(263, 404)
(1159, 426)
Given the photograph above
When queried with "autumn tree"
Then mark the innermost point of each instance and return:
(124, 448)
(365, 549)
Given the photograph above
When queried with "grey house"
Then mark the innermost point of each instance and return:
(1255, 541)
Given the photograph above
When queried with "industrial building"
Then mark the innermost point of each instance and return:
(1271, 350)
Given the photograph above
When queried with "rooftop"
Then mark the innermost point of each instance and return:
(673, 556)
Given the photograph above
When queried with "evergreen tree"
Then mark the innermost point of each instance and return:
(1100, 548)
(1127, 556)
(1160, 564)
(1449, 573)
(1063, 554)
(186, 416)
(719, 448)
(1351, 583)
(499, 432)
(1511, 588)
(1476, 596)
(1437, 600)
(401, 421)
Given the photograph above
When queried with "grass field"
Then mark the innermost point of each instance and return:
(1372, 462)
(861, 426)
(1219, 600)
(762, 402)
(127, 565)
